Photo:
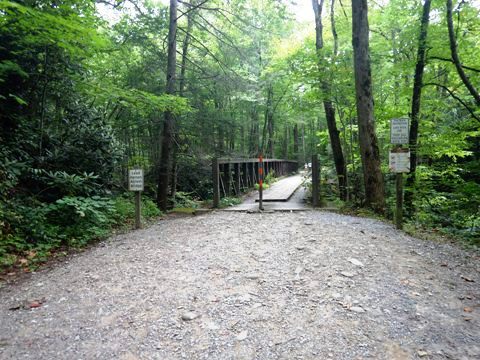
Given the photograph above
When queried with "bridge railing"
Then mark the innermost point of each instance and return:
(236, 176)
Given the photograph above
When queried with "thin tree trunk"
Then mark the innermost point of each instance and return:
(242, 140)
(186, 44)
(295, 140)
(333, 132)
(43, 104)
(303, 142)
(267, 134)
(254, 141)
(181, 90)
(416, 100)
(456, 60)
(372, 174)
(169, 121)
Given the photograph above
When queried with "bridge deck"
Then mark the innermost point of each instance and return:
(283, 189)
(288, 190)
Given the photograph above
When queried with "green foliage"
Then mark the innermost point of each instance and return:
(265, 186)
(450, 204)
(270, 178)
(38, 228)
(67, 184)
(82, 219)
(125, 209)
(137, 101)
(184, 200)
(229, 201)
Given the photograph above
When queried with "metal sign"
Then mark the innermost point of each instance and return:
(399, 131)
(135, 180)
(399, 161)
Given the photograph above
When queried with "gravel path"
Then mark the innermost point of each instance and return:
(310, 285)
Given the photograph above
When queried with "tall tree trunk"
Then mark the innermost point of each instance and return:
(295, 140)
(186, 44)
(169, 121)
(254, 141)
(285, 142)
(181, 91)
(333, 132)
(416, 100)
(456, 60)
(181, 87)
(372, 174)
(267, 134)
(242, 140)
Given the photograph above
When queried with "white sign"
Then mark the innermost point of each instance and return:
(399, 131)
(135, 180)
(399, 161)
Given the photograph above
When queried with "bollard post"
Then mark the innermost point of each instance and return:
(260, 182)
(138, 210)
(315, 182)
(399, 191)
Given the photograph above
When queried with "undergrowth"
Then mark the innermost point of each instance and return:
(32, 232)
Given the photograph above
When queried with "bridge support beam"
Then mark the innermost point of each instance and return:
(216, 183)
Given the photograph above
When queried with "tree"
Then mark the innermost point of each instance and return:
(329, 109)
(372, 174)
(456, 59)
(416, 100)
(169, 121)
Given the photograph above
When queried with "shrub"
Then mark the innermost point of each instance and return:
(184, 200)
(124, 206)
(229, 201)
(82, 219)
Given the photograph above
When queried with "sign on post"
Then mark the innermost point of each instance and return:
(135, 180)
(399, 160)
(399, 131)
(135, 183)
(399, 163)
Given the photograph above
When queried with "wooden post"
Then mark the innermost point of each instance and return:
(245, 176)
(136, 184)
(260, 182)
(216, 183)
(138, 210)
(228, 179)
(315, 182)
(399, 212)
(236, 178)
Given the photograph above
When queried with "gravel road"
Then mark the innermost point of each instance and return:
(304, 285)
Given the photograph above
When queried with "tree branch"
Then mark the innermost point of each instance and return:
(452, 94)
(191, 7)
(451, 61)
(455, 57)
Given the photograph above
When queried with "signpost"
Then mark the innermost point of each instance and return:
(260, 182)
(315, 181)
(399, 131)
(399, 162)
(135, 183)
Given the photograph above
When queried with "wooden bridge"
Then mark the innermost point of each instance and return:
(236, 176)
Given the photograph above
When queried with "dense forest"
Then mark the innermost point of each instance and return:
(90, 89)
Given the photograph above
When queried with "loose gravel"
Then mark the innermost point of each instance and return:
(305, 285)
